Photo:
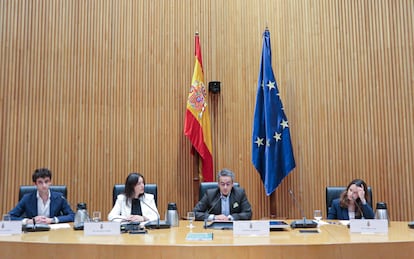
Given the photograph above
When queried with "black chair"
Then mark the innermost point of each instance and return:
(333, 192)
(120, 188)
(204, 186)
(31, 188)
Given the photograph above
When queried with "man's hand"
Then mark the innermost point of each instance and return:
(40, 220)
(221, 217)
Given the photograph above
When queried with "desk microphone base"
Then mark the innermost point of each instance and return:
(304, 224)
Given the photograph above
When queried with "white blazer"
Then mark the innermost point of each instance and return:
(122, 210)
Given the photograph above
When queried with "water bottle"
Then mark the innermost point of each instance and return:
(172, 215)
(81, 216)
(381, 211)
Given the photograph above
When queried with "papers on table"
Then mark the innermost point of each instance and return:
(344, 222)
(59, 226)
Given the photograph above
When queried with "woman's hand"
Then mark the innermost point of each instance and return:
(136, 218)
(361, 195)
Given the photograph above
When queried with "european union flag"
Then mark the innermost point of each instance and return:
(272, 153)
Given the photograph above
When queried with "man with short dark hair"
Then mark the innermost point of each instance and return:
(42, 206)
(224, 203)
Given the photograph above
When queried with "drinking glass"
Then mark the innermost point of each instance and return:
(191, 218)
(317, 215)
(96, 216)
(6, 217)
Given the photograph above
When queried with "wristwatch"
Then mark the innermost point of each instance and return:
(55, 220)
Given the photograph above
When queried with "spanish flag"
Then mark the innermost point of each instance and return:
(197, 118)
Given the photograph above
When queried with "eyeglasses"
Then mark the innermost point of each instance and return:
(226, 184)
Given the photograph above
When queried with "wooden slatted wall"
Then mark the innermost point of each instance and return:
(97, 89)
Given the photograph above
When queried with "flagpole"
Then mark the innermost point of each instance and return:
(196, 177)
(272, 201)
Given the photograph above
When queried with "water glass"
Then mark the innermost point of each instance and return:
(191, 218)
(317, 215)
(96, 216)
(6, 217)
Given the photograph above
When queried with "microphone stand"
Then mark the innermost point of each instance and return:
(304, 223)
(156, 212)
(209, 210)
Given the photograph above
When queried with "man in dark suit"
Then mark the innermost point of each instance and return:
(225, 202)
(42, 206)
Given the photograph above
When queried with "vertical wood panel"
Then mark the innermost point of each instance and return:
(97, 89)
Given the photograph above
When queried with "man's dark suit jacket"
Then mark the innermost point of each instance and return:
(27, 207)
(240, 208)
(337, 212)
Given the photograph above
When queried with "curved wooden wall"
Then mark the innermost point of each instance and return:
(97, 89)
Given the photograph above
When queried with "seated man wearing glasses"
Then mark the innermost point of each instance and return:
(225, 202)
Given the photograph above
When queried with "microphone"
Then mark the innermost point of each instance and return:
(304, 223)
(209, 210)
(35, 227)
(359, 207)
(156, 212)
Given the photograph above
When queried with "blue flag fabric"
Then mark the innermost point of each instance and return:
(272, 153)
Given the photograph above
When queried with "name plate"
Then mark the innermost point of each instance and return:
(251, 228)
(101, 228)
(368, 226)
(10, 227)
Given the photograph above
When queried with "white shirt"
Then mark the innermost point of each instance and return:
(43, 209)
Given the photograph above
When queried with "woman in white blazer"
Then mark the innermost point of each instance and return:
(134, 205)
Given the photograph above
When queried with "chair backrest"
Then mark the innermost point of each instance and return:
(31, 188)
(333, 192)
(120, 188)
(204, 186)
